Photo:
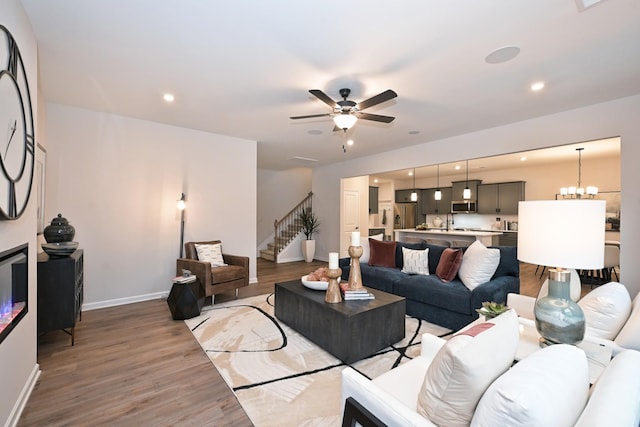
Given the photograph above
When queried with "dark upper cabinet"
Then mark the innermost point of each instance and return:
(403, 196)
(373, 200)
(500, 198)
(429, 205)
(458, 187)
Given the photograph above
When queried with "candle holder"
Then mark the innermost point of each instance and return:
(333, 294)
(355, 276)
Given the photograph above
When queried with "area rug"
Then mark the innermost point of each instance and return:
(279, 377)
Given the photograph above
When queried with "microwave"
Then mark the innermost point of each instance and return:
(465, 206)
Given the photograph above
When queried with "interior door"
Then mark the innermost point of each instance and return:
(350, 218)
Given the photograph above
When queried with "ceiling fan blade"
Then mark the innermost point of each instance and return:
(380, 98)
(311, 116)
(374, 117)
(323, 97)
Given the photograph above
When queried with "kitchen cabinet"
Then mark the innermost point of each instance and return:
(404, 196)
(458, 187)
(500, 198)
(508, 239)
(373, 200)
(430, 206)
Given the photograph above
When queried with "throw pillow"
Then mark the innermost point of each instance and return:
(606, 309)
(479, 263)
(547, 388)
(629, 336)
(383, 254)
(415, 262)
(449, 264)
(464, 367)
(364, 259)
(211, 253)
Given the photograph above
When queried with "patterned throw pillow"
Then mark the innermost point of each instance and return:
(211, 253)
(415, 262)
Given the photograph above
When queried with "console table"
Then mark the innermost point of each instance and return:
(60, 292)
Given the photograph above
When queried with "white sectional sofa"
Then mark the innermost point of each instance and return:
(549, 387)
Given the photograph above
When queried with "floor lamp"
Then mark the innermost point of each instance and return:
(181, 205)
(561, 234)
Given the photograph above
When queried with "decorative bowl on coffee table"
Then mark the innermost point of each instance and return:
(315, 285)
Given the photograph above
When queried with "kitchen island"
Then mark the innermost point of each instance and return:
(487, 238)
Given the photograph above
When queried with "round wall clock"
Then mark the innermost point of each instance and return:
(17, 139)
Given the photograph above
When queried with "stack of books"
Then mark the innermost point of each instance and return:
(184, 279)
(358, 295)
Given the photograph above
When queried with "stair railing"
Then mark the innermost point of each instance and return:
(287, 228)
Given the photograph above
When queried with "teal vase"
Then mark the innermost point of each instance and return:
(559, 319)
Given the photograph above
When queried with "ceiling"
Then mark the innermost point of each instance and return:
(242, 68)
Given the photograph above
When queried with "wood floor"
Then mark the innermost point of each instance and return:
(132, 365)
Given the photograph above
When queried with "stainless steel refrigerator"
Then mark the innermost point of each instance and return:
(404, 215)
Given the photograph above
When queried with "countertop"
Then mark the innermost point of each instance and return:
(465, 232)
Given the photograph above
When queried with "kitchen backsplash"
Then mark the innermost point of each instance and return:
(484, 222)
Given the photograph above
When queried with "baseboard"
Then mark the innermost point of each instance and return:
(123, 301)
(23, 398)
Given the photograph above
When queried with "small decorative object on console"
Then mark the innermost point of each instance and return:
(334, 272)
(491, 309)
(59, 230)
(355, 252)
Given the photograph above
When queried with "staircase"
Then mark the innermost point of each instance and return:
(285, 230)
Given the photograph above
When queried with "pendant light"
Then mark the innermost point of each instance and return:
(579, 192)
(438, 193)
(414, 194)
(466, 194)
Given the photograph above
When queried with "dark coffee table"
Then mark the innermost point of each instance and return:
(349, 330)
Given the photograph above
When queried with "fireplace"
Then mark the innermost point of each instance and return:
(14, 288)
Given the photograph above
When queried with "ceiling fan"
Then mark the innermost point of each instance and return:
(346, 113)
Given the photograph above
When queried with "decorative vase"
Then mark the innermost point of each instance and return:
(559, 319)
(355, 275)
(59, 230)
(437, 222)
(308, 250)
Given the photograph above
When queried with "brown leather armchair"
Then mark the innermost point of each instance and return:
(215, 280)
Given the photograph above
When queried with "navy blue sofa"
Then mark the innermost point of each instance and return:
(451, 304)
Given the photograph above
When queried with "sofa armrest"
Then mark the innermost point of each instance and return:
(522, 304)
(202, 270)
(494, 290)
(242, 261)
(380, 403)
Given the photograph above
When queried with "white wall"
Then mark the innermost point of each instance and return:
(18, 365)
(278, 193)
(614, 118)
(117, 179)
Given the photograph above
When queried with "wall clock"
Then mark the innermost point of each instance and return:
(17, 139)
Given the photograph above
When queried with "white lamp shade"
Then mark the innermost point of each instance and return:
(414, 196)
(466, 193)
(438, 195)
(345, 120)
(562, 233)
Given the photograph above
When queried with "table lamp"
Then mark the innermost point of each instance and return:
(563, 234)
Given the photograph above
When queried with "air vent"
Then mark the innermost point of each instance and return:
(302, 159)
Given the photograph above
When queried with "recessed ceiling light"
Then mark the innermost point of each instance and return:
(315, 132)
(375, 180)
(410, 173)
(168, 97)
(537, 86)
(350, 142)
(523, 158)
(503, 54)
(457, 167)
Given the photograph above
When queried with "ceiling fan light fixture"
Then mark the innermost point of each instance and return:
(345, 120)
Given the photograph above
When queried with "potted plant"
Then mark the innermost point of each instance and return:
(491, 309)
(310, 225)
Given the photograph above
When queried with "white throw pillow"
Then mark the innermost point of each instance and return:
(415, 261)
(606, 309)
(547, 388)
(364, 259)
(211, 253)
(479, 264)
(629, 336)
(464, 367)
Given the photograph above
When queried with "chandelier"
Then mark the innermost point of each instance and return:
(579, 192)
